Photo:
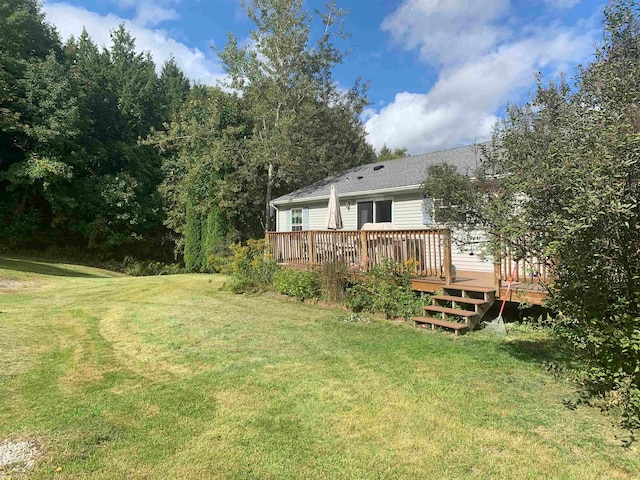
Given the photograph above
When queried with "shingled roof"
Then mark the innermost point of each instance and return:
(401, 173)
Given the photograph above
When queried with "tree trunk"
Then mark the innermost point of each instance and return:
(267, 212)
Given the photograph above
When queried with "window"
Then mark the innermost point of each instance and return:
(428, 213)
(365, 213)
(376, 212)
(383, 211)
(296, 220)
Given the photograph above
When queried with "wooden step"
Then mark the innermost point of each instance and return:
(467, 300)
(455, 326)
(450, 311)
(462, 288)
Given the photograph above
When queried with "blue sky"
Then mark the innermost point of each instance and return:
(441, 71)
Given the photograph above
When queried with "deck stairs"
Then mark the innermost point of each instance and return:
(457, 308)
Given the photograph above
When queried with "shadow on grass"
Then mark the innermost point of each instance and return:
(544, 351)
(42, 268)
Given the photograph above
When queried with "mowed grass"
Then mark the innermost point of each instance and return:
(170, 377)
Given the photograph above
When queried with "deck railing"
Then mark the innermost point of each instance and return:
(530, 269)
(429, 250)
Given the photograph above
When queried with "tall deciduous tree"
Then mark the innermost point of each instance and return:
(285, 76)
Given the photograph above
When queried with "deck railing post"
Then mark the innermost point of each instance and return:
(497, 274)
(364, 253)
(448, 271)
(310, 247)
(267, 243)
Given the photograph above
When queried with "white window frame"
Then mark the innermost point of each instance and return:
(297, 227)
(375, 208)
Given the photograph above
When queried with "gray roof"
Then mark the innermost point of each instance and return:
(398, 173)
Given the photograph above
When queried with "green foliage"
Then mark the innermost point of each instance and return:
(139, 268)
(202, 149)
(98, 151)
(250, 268)
(296, 283)
(455, 198)
(386, 289)
(174, 87)
(72, 168)
(334, 278)
(193, 255)
(300, 120)
(387, 154)
(568, 190)
(205, 240)
(214, 238)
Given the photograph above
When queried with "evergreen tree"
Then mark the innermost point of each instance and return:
(193, 250)
(203, 154)
(174, 88)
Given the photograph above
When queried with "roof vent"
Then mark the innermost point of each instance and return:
(360, 177)
(378, 167)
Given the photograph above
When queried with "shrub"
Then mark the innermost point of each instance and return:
(300, 284)
(386, 288)
(334, 278)
(250, 267)
(139, 268)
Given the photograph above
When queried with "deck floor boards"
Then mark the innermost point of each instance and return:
(520, 292)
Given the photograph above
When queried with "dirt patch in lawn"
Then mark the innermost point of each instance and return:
(5, 283)
(17, 457)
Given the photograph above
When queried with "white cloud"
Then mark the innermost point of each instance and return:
(474, 80)
(561, 3)
(69, 20)
(150, 12)
(446, 31)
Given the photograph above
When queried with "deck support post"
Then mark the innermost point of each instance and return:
(364, 251)
(497, 270)
(310, 248)
(448, 271)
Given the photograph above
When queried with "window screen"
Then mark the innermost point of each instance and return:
(383, 211)
(365, 213)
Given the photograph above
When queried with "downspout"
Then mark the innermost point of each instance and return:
(277, 216)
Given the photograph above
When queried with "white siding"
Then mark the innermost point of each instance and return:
(318, 216)
(461, 253)
(281, 225)
(350, 216)
(406, 213)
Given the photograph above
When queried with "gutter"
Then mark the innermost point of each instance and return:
(378, 191)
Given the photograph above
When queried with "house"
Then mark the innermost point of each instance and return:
(387, 192)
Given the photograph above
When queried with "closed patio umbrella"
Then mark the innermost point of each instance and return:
(334, 217)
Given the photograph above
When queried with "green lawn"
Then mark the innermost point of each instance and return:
(170, 377)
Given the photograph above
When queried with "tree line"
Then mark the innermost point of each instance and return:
(99, 151)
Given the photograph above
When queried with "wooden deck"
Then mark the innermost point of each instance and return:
(520, 292)
(427, 251)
